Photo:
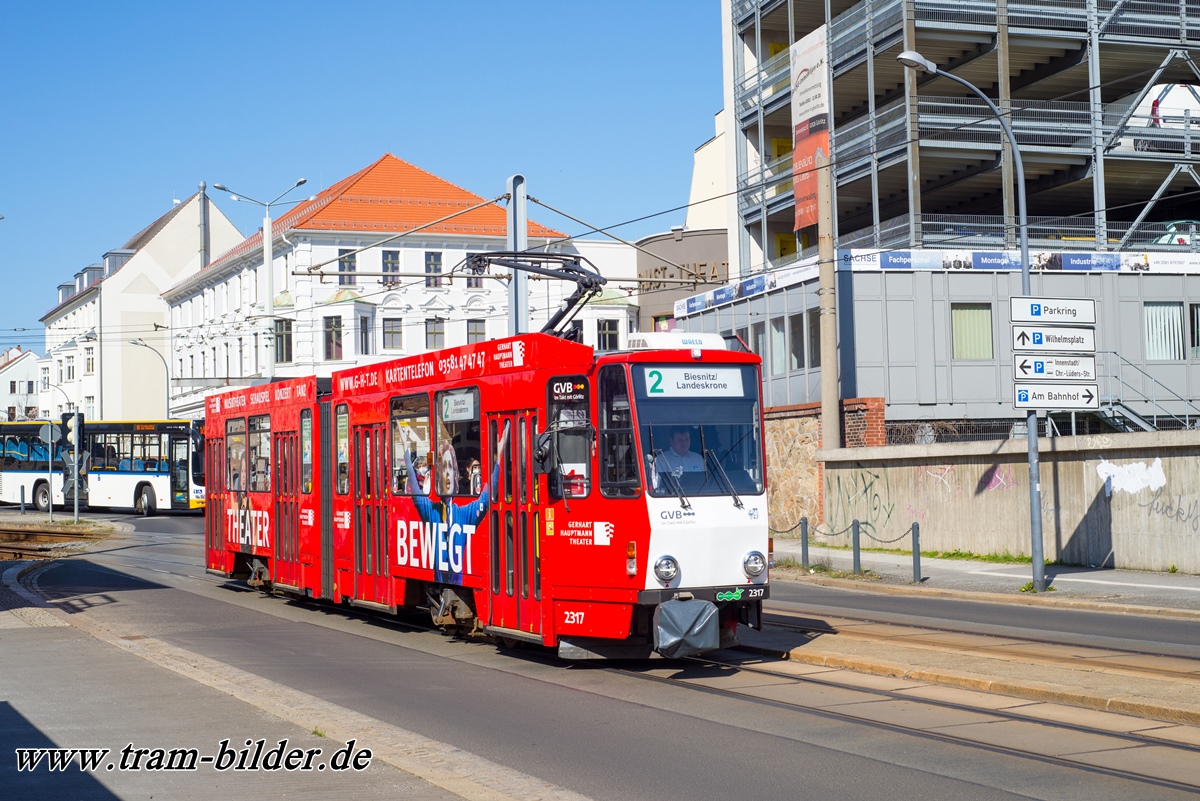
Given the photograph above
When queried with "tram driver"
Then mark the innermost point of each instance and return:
(679, 458)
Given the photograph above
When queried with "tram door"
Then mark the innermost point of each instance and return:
(370, 527)
(286, 492)
(215, 503)
(513, 526)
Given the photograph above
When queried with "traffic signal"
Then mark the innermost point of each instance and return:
(72, 426)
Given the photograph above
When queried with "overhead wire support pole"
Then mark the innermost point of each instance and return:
(517, 218)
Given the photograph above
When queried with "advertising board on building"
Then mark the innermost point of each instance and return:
(810, 120)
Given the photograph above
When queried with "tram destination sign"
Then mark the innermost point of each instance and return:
(1052, 311)
(1054, 368)
(1056, 397)
(1053, 339)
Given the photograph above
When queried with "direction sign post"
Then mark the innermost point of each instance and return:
(1064, 330)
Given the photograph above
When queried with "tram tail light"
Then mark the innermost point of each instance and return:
(770, 552)
(631, 559)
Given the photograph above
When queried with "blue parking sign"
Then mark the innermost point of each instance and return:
(1035, 310)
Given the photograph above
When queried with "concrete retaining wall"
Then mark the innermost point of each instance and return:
(1118, 500)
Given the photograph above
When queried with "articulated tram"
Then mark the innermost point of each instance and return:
(529, 489)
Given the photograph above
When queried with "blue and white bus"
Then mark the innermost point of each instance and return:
(146, 465)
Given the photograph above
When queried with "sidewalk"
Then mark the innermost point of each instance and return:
(1073, 586)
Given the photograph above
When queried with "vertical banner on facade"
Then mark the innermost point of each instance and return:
(810, 121)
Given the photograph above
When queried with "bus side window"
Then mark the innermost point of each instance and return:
(618, 455)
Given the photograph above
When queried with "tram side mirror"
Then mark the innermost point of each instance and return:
(543, 454)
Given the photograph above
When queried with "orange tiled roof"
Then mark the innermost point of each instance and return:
(391, 196)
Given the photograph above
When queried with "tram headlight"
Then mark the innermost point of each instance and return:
(754, 563)
(666, 568)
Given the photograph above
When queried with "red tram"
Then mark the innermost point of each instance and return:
(530, 489)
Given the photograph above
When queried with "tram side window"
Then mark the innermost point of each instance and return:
(411, 445)
(235, 453)
(570, 433)
(260, 453)
(306, 451)
(618, 454)
(457, 467)
(342, 424)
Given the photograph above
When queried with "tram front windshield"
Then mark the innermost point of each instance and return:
(699, 429)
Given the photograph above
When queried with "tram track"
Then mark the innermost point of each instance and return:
(1134, 662)
(860, 700)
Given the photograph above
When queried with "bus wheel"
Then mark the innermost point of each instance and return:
(41, 497)
(144, 505)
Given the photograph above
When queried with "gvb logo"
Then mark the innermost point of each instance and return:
(602, 533)
(518, 352)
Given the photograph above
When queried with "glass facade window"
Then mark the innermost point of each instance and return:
(796, 349)
(814, 337)
(778, 347)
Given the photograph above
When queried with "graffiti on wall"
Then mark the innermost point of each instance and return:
(863, 495)
(1175, 509)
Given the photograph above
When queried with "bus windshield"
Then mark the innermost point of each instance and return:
(699, 429)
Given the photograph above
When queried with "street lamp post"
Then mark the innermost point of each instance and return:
(915, 61)
(268, 256)
(142, 344)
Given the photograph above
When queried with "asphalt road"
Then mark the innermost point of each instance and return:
(600, 732)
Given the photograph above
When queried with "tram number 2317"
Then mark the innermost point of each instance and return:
(572, 618)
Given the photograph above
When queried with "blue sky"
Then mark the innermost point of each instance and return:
(111, 110)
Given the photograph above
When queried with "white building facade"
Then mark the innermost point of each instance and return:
(19, 385)
(353, 282)
(91, 363)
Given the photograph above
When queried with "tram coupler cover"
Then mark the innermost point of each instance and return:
(686, 626)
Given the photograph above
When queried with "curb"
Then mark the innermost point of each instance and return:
(1047, 693)
(1023, 599)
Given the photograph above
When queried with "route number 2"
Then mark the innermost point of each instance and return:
(573, 618)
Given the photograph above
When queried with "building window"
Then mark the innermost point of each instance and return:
(28, 387)
(89, 406)
(778, 347)
(1194, 319)
(60, 370)
(607, 335)
(89, 361)
(971, 331)
(333, 339)
(474, 281)
(796, 342)
(814, 337)
(393, 333)
(391, 264)
(364, 336)
(346, 267)
(70, 368)
(433, 269)
(12, 387)
(1164, 331)
(758, 337)
(283, 341)
(476, 331)
(12, 413)
(45, 378)
(435, 334)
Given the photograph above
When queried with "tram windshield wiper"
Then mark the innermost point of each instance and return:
(720, 471)
(673, 482)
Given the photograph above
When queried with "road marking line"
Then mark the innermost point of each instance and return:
(1105, 582)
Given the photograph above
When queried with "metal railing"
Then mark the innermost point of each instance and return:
(1124, 382)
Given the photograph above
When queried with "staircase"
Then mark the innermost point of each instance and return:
(1133, 400)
